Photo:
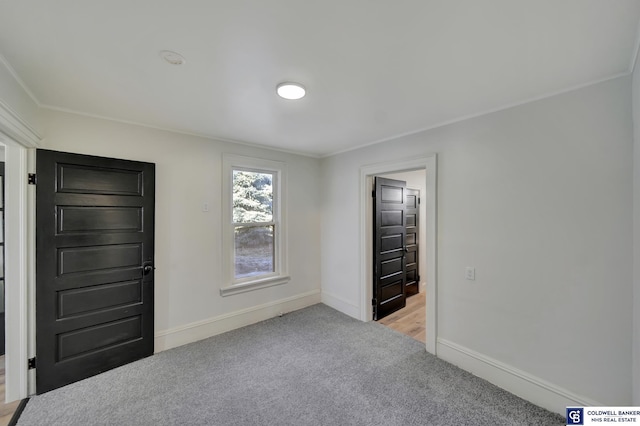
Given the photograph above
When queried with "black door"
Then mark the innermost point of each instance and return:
(413, 247)
(389, 245)
(94, 265)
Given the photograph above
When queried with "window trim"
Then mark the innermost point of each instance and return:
(231, 285)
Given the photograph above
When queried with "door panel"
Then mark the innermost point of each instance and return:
(98, 337)
(389, 246)
(93, 219)
(94, 238)
(412, 227)
(99, 297)
(391, 268)
(76, 178)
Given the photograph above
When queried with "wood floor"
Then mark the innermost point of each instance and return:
(6, 410)
(410, 320)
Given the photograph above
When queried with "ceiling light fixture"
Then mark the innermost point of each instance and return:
(291, 91)
(172, 58)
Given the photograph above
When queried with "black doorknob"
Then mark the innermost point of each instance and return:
(147, 269)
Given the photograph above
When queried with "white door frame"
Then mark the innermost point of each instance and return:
(18, 139)
(429, 164)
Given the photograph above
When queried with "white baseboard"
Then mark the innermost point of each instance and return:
(518, 382)
(199, 330)
(341, 305)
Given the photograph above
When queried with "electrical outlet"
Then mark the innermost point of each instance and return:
(205, 207)
(470, 273)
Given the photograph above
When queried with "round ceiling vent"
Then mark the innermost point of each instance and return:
(172, 58)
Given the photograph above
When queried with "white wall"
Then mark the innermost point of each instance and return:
(188, 248)
(636, 235)
(538, 199)
(416, 180)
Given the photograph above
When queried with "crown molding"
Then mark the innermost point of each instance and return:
(178, 131)
(17, 78)
(17, 128)
(634, 53)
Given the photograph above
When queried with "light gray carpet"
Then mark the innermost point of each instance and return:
(315, 366)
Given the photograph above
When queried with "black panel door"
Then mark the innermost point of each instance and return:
(94, 265)
(389, 245)
(413, 248)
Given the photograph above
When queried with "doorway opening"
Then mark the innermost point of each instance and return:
(16, 218)
(428, 167)
(6, 344)
(411, 319)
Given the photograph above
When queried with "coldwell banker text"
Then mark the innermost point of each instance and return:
(600, 415)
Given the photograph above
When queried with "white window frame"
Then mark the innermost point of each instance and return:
(280, 275)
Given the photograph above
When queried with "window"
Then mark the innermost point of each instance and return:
(254, 242)
(254, 227)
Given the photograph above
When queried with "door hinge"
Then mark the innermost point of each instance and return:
(373, 194)
(418, 278)
(32, 363)
(32, 179)
(374, 302)
(418, 200)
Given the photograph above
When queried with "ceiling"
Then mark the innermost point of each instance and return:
(373, 69)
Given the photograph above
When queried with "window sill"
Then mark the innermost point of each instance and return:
(254, 285)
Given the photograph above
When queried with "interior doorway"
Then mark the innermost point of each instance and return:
(428, 165)
(411, 318)
(17, 218)
(6, 409)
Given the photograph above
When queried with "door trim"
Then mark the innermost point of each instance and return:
(18, 137)
(17, 255)
(429, 164)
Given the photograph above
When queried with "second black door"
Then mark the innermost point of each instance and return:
(412, 222)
